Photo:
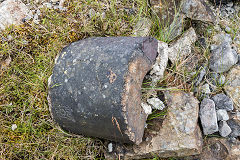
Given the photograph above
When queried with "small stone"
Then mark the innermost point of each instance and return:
(13, 12)
(205, 91)
(110, 147)
(160, 65)
(221, 38)
(14, 126)
(182, 48)
(222, 115)
(48, 5)
(208, 116)
(197, 10)
(156, 103)
(235, 126)
(230, 4)
(223, 58)
(224, 129)
(228, 29)
(223, 102)
(147, 108)
(221, 80)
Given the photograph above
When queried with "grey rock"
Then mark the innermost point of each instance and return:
(156, 103)
(224, 129)
(205, 89)
(160, 65)
(197, 10)
(147, 108)
(222, 115)
(232, 86)
(110, 147)
(221, 38)
(178, 136)
(235, 126)
(181, 48)
(228, 29)
(12, 12)
(208, 116)
(223, 58)
(222, 101)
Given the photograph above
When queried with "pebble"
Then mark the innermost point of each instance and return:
(14, 126)
(156, 103)
(224, 129)
(235, 126)
(110, 147)
(222, 115)
(208, 116)
(147, 108)
(223, 57)
(222, 101)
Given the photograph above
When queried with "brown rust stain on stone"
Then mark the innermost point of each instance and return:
(131, 98)
(112, 76)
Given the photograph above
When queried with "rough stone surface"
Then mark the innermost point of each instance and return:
(95, 88)
(222, 115)
(223, 102)
(142, 27)
(208, 116)
(232, 86)
(220, 149)
(178, 136)
(13, 12)
(223, 57)
(147, 108)
(234, 124)
(182, 47)
(160, 65)
(205, 89)
(224, 129)
(197, 10)
(156, 103)
(221, 38)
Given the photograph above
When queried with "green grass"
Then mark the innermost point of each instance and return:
(32, 50)
(23, 82)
